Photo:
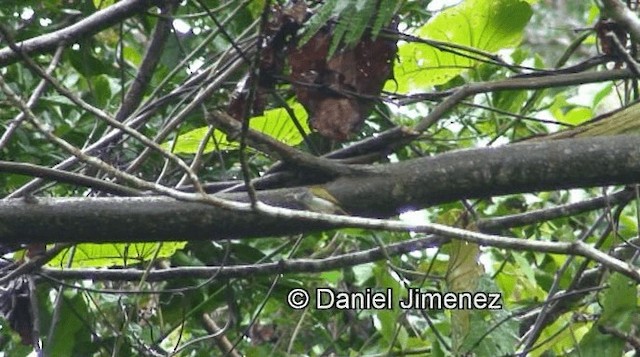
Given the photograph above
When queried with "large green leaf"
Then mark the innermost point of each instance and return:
(490, 332)
(101, 90)
(86, 62)
(71, 333)
(619, 310)
(486, 25)
(106, 255)
(389, 327)
(463, 274)
(275, 122)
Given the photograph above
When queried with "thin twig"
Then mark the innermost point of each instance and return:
(98, 112)
(67, 177)
(149, 62)
(37, 92)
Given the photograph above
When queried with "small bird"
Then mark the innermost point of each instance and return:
(318, 199)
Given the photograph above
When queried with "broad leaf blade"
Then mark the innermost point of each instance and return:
(485, 25)
(275, 122)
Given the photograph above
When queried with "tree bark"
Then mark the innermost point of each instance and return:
(88, 26)
(384, 191)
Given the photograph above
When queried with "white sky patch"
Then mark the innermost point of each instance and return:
(181, 26)
(402, 27)
(414, 217)
(487, 261)
(608, 103)
(27, 13)
(499, 141)
(505, 54)
(195, 65)
(531, 199)
(428, 253)
(374, 126)
(586, 94)
(454, 126)
(577, 195)
(438, 5)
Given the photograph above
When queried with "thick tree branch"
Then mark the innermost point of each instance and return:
(87, 27)
(388, 190)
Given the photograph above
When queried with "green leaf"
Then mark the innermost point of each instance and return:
(464, 269)
(618, 300)
(256, 7)
(525, 266)
(363, 272)
(173, 49)
(558, 338)
(85, 62)
(516, 286)
(353, 19)
(332, 277)
(619, 310)
(557, 107)
(463, 274)
(132, 56)
(70, 332)
(365, 11)
(601, 94)
(101, 4)
(503, 337)
(389, 320)
(510, 101)
(486, 25)
(275, 122)
(56, 99)
(386, 12)
(577, 115)
(101, 90)
(338, 33)
(106, 255)
(320, 19)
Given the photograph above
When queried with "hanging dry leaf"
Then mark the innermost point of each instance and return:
(339, 92)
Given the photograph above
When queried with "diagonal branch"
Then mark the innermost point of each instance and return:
(621, 14)
(89, 26)
(268, 145)
(67, 177)
(149, 63)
